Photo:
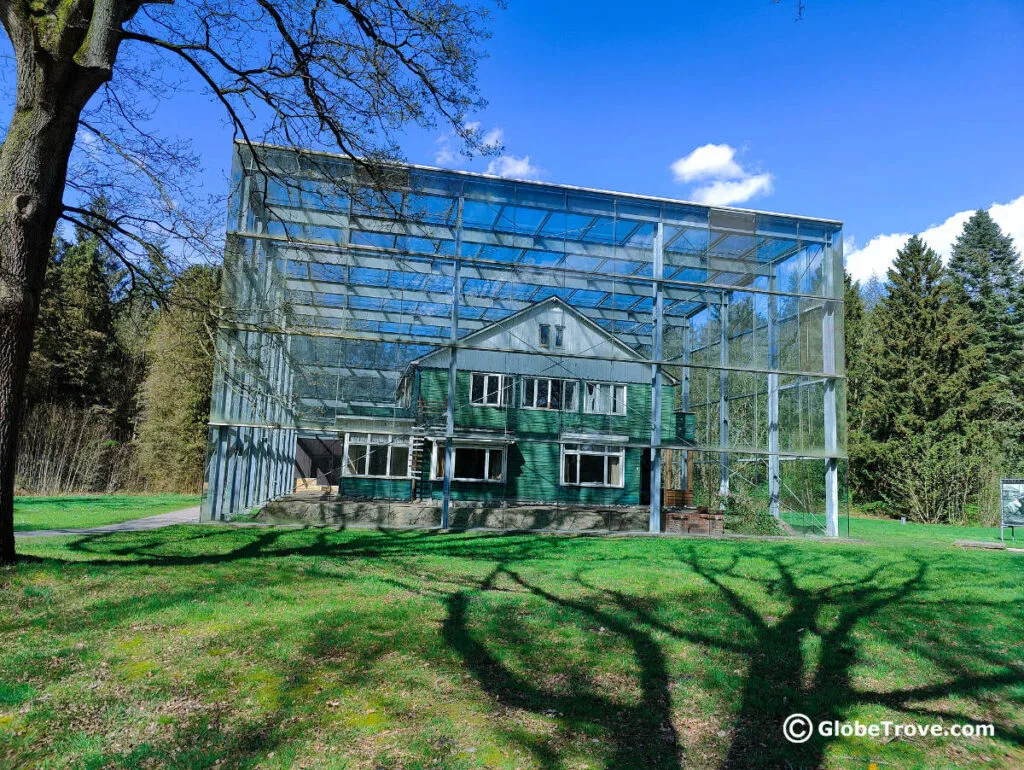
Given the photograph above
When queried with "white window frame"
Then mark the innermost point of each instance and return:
(392, 441)
(439, 448)
(536, 390)
(504, 381)
(605, 451)
(592, 383)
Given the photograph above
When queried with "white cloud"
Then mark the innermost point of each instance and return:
(493, 138)
(514, 168)
(709, 161)
(879, 253)
(725, 181)
(727, 192)
(448, 153)
(445, 156)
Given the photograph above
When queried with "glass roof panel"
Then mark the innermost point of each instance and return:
(479, 214)
(319, 271)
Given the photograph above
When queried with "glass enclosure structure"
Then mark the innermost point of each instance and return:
(462, 339)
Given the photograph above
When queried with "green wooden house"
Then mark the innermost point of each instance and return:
(549, 408)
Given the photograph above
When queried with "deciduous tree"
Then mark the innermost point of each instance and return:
(341, 74)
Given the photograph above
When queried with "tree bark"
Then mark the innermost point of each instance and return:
(58, 71)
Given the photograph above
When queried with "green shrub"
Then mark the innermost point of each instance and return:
(749, 516)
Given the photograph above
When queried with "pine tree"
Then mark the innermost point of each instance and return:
(75, 350)
(855, 332)
(986, 272)
(926, 403)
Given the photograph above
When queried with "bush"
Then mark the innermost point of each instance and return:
(934, 482)
(749, 516)
(65, 449)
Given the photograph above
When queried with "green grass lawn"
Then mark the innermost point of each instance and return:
(891, 531)
(197, 647)
(78, 511)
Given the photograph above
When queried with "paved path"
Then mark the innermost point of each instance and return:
(184, 516)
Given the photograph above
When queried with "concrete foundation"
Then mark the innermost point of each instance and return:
(328, 509)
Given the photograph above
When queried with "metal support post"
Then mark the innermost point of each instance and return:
(723, 402)
(774, 470)
(657, 321)
(449, 428)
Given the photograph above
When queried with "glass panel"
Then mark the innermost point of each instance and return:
(378, 460)
(494, 464)
(614, 471)
(556, 394)
(356, 459)
(591, 469)
(438, 460)
(477, 391)
(542, 393)
(493, 389)
(570, 467)
(400, 460)
(529, 392)
(469, 463)
(619, 402)
(570, 396)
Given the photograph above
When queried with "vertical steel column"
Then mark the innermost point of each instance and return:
(723, 402)
(449, 427)
(684, 398)
(215, 490)
(774, 471)
(657, 320)
(828, 343)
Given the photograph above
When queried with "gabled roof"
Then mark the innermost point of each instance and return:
(590, 338)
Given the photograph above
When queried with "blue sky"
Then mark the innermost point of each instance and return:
(896, 118)
(893, 117)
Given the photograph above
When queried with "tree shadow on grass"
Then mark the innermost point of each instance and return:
(637, 734)
(802, 661)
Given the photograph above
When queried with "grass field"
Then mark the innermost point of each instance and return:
(78, 511)
(213, 646)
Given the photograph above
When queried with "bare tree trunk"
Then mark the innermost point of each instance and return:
(58, 70)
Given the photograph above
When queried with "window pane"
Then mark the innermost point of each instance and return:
(469, 463)
(378, 460)
(528, 392)
(542, 393)
(439, 461)
(591, 469)
(556, 394)
(477, 390)
(614, 471)
(493, 386)
(545, 335)
(619, 402)
(559, 336)
(570, 397)
(399, 460)
(570, 466)
(357, 459)
(494, 466)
